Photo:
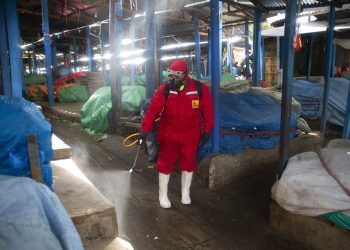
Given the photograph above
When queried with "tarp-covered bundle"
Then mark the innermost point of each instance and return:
(309, 95)
(248, 119)
(95, 111)
(19, 118)
(337, 100)
(318, 184)
(73, 93)
(32, 217)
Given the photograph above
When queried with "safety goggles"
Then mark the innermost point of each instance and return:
(177, 75)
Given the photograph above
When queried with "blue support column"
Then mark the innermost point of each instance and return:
(54, 51)
(228, 53)
(46, 32)
(150, 7)
(132, 47)
(35, 65)
(160, 55)
(309, 56)
(197, 39)
(30, 63)
(216, 51)
(289, 32)
(247, 73)
(209, 55)
(262, 61)
(334, 56)
(15, 50)
(282, 52)
(75, 61)
(257, 47)
(103, 60)
(328, 65)
(346, 128)
(5, 65)
(88, 48)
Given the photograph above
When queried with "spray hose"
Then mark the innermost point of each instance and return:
(125, 142)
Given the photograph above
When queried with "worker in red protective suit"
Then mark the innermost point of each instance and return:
(183, 111)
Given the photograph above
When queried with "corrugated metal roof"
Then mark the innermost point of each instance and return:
(281, 4)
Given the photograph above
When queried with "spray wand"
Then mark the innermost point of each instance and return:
(132, 144)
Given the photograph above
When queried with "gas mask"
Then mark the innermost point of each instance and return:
(176, 80)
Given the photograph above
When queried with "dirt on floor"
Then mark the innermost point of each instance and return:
(235, 217)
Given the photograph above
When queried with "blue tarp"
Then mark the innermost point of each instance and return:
(19, 118)
(248, 120)
(32, 217)
(338, 96)
(309, 95)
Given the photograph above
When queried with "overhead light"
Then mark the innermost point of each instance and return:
(197, 3)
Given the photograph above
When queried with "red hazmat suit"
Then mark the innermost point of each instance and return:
(183, 113)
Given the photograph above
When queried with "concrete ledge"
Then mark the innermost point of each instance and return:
(60, 149)
(311, 232)
(93, 215)
(224, 169)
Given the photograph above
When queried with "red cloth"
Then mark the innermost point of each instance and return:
(67, 79)
(180, 124)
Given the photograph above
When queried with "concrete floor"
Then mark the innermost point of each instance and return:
(235, 217)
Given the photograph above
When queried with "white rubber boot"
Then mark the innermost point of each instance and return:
(186, 179)
(163, 190)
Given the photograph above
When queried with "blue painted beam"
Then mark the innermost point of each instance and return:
(46, 32)
(132, 32)
(88, 48)
(309, 56)
(209, 55)
(160, 55)
(228, 54)
(149, 9)
(257, 47)
(15, 50)
(334, 57)
(346, 128)
(30, 63)
(54, 51)
(247, 73)
(287, 85)
(75, 55)
(35, 64)
(328, 64)
(262, 60)
(5, 64)
(216, 51)
(197, 39)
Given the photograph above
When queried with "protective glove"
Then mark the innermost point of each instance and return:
(205, 138)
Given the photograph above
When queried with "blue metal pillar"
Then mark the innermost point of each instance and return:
(15, 50)
(159, 46)
(35, 65)
(346, 128)
(334, 57)
(75, 61)
(132, 47)
(282, 52)
(54, 51)
(257, 47)
(88, 48)
(149, 9)
(262, 60)
(103, 60)
(228, 53)
(209, 55)
(247, 73)
(197, 39)
(46, 32)
(330, 33)
(289, 32)
(309, 56)
(30, 63)
(5, 65)
(216, 51)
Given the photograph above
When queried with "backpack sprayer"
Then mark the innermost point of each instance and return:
(132, 144)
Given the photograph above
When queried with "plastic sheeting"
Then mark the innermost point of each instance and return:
(315, 184)
(248, 120)
(32, 217)
(309, 95)
(73, 93)
(338, 96)
(19, 118)
(95, 111)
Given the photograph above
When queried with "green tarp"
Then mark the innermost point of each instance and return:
(95, 111)
(76, 93)
(340, 219)
(346, 75)
(34, 79)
